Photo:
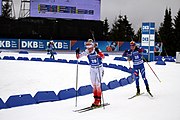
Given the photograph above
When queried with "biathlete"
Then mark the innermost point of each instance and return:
(135, 54)
(95, 57)
(50, 49)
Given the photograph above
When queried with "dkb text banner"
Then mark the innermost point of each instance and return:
(42, 44)
(9, 43)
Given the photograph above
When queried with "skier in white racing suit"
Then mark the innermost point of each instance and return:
(95, 57)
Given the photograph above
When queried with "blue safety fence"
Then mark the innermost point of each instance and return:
(49, 96)
(23, 58)
(2, 104)
(36, 59)
(67, 93)
(45, 96)
(20, 100)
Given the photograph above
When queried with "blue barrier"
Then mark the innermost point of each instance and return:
(120, 58)
(167, 57)
(62, 60)
(67, 93)
(130, 79)
(116, 58)
(113, 84)
(158, 58)
(36, 59)
(83, 63)
(49, 60)
(125, 69)
(106, 54)
(105, 65)
(123, 81)
(45, 96)
(84, 90)
(104, 87)
(169, 60)
(9, 58)
(2, 104)
(23, 52)
(20, 100)
(73, 61)
(112, 65)
(160, 62)
(23, 58)
(119, 67)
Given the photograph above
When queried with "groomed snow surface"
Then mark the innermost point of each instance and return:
(29, 77)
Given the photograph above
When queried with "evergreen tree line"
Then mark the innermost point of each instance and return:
(168, 33)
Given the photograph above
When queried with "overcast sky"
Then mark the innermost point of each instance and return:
(137, 11)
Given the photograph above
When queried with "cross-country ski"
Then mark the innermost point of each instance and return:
(91, 108)
(136, 95)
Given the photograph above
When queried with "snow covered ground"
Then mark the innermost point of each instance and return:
(29, 77)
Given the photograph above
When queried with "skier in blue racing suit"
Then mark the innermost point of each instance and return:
(135, 54)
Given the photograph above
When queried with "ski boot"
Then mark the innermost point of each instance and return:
(97, 102)
(148, 90)
(138, 90)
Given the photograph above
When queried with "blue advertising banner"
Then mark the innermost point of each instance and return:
(32, 44)
(9, 43)
(36, 44)
(42, 44)
(102, 45)
(148, 39)
(77, 44)
(108, 46)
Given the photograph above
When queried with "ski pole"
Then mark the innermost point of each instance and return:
(101, 88)
(131, 70)
(92, 33)
(152, 70)
(76, 84)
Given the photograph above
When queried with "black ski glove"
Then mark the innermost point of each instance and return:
(97, 50)
(77, 51)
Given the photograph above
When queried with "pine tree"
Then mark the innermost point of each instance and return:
(137, 36)
(106, 29)
(114, 33)
(122, 29)
(128, 30)
(177, 30)
(166, 32)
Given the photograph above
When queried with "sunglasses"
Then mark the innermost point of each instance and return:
(132, 45)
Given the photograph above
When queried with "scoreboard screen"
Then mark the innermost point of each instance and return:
(70, 9)
(0, 7)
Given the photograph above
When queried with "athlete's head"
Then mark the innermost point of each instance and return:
(51, 42)
(90, 40)
(90, 46)
(132, 45)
